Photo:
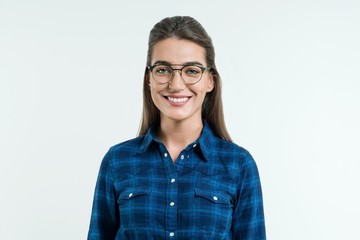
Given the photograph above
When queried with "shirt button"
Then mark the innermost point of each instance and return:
(215, 198)
(172, 204)
(173, 180)
(130, 195)
(182, 156)
(194, 145)
(171, 234)
(165, 154)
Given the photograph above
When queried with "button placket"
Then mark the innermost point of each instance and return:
(171, 212)
(171, 208)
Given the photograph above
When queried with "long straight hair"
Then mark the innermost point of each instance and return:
(187, 28)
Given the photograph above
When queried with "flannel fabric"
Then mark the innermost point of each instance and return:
(212, 191)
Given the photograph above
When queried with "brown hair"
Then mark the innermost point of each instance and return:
(189, 29)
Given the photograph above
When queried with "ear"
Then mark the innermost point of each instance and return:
(210, 83)
(147, 79)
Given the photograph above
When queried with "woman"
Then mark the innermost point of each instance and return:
(182, 177)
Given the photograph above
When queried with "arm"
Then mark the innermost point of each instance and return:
(248, 217)
(105, 219)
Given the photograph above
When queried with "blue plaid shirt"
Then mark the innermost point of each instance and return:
(212, 191)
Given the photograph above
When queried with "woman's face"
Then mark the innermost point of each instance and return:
(175, 100)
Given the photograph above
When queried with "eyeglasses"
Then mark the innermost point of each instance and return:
(190, 74)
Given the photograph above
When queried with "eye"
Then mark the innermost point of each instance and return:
(162, 70)
(192, 71)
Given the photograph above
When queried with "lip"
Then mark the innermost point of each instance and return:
(178, 100)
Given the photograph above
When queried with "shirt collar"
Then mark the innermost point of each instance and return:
(205, 142)
(148, 138)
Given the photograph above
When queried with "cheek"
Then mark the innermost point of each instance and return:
(205, 88)
(152, 91)
(155, 89)
(152, 86)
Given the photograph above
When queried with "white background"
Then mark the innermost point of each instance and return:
(70, 87)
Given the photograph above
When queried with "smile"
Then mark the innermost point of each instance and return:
(178, 100)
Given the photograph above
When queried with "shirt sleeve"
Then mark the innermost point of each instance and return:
(105, 219)
(248, 217)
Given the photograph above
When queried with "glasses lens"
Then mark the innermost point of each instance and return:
(191, 74)
(162, 73)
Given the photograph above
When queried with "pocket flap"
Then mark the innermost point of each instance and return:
(213, 196)
(133, 193)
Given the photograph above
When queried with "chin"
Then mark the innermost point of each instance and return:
(177, 118)
(180, 117)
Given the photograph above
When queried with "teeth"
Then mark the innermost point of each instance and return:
(178, 100)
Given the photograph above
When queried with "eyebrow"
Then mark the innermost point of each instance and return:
(161, 62)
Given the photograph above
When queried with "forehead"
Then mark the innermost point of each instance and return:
(178, 51)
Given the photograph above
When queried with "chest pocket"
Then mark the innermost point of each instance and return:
(214, 209)
(134, 207)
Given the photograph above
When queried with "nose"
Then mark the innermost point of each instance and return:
(177, 83)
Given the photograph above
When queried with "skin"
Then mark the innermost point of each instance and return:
(180, 123)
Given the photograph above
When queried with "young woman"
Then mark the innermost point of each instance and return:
(182, 177)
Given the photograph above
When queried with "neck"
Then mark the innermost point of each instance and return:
(176, 135)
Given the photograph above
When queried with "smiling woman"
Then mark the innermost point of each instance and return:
(177, 99)
(182, 177)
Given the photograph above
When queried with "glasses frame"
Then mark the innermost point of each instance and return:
(203, 69)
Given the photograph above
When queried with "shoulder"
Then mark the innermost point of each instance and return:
(123, 150)
(239, 159)
(229, 148)
(231, 153)
(129, 145)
